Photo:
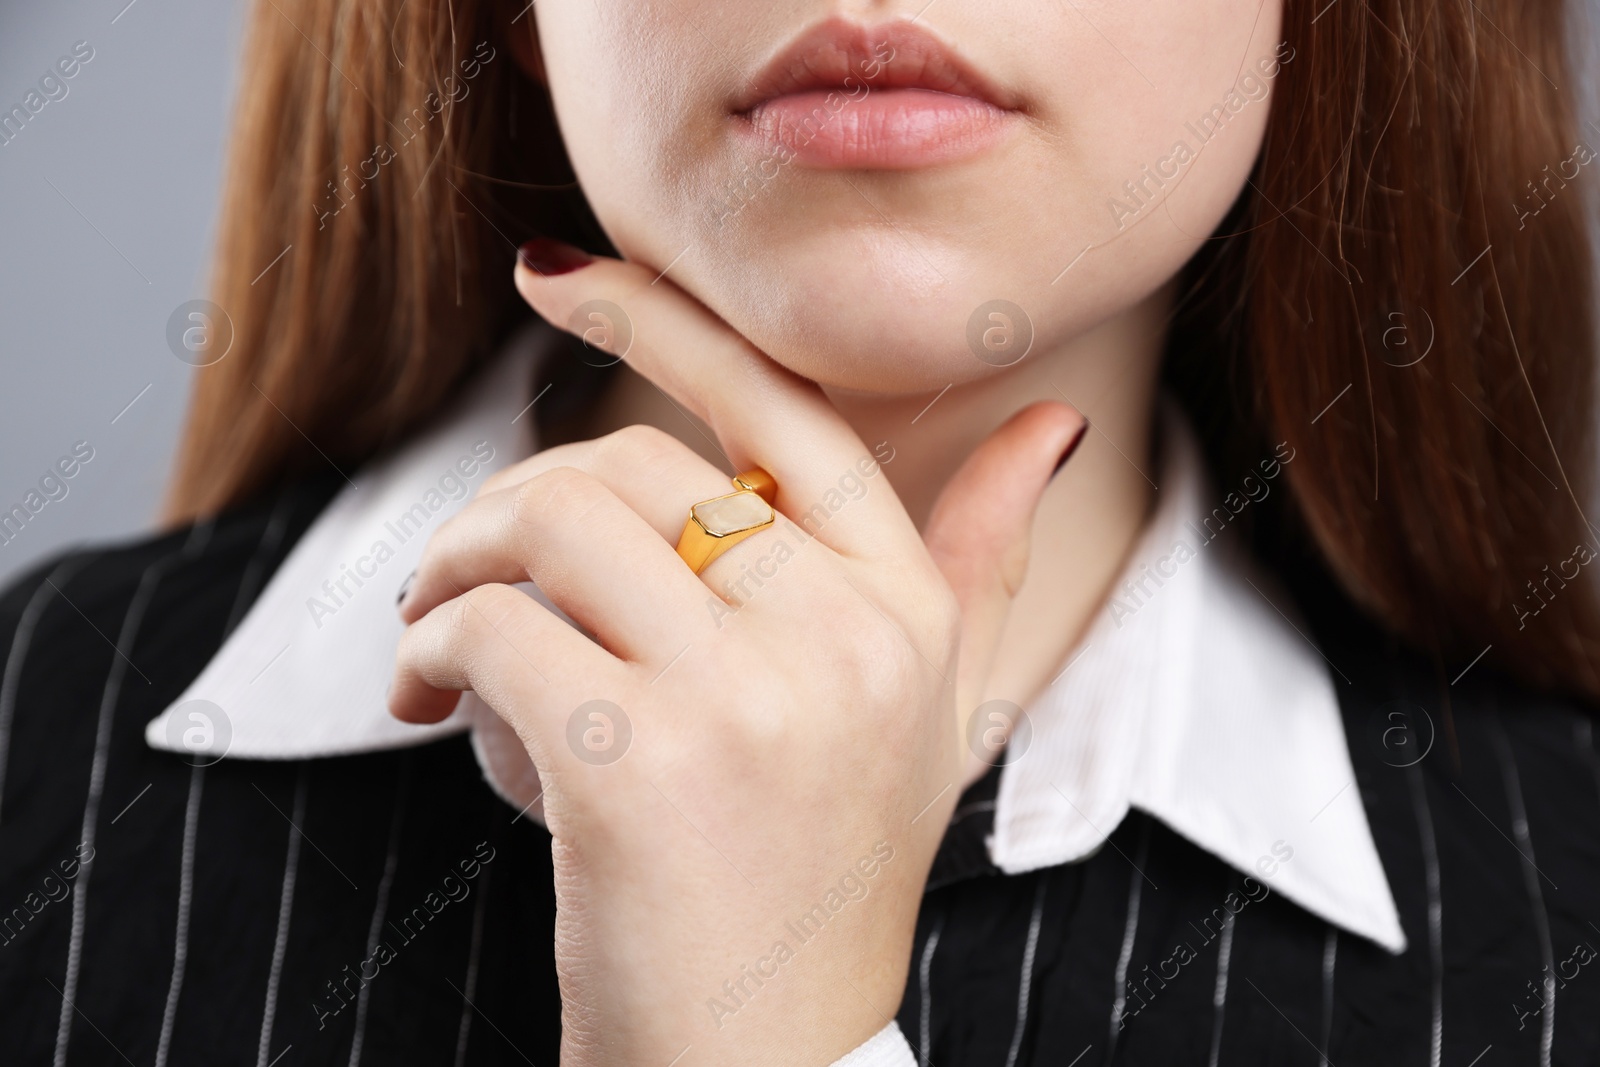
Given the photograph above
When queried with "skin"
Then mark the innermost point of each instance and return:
(776, 746)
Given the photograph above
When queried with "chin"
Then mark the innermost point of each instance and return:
(863, 313)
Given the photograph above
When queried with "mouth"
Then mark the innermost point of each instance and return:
(890, 97)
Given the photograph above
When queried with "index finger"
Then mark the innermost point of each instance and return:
(764, 414)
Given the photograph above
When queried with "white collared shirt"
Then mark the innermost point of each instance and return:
(1193, 697)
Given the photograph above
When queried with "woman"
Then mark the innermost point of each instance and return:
(999, 710)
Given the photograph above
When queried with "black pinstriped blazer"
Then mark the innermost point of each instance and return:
(156, 913)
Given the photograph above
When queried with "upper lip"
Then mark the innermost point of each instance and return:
(903, 55)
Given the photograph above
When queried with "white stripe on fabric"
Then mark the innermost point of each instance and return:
(1219, 994)
(21, 641)
(1026, 981)
(473, 953)
(270, 538)
(280, 943)
(1129, 931)
(1430, 860)
(380, 907)
(924, 972)
(193, 545)
(1530, 877)
(1330, 950)
(180, 949)
(971, 809)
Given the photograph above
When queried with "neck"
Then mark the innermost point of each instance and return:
(1090, 515)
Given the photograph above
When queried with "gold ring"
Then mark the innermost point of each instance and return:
(716, 525)
(758, 482)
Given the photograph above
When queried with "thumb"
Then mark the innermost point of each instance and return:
(981, 526)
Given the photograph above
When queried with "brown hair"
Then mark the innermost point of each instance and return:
(388, 157)
(1414, 177)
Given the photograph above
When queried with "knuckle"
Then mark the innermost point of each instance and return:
(481, 613)
(509, 476)
(757, 734)
(638, 443)
(558, 490)
(644, 450)
(460, 628)
(751, 724)
(495, 603)
(882, 666)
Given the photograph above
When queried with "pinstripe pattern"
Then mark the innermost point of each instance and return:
(982, 927)
(380, 907)
(191, 899)
(924, 987)
(20, 642)
(1430, 859)
(1130, 931)
(1025, 982)
(180, 949)
(1530, 876)
(128, 634)
(1330, 950)
(271, 537)
(280, 941)
(1219, 994)
(474, 955)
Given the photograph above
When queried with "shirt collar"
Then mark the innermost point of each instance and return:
(1193, 696)
(1197, 699)
(305, 672)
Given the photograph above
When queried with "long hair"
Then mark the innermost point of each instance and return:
(1402, 294)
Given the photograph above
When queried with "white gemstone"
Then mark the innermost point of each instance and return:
(730, 514)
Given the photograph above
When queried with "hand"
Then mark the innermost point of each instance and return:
(744, 882)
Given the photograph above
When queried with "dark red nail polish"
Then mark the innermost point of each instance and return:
(545, 256)
(1077, 439)
(405, 587)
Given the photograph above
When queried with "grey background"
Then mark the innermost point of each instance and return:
(92, 267)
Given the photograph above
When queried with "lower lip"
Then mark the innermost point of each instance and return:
(890, 129)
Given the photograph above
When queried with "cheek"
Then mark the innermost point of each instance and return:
(1157, 122)
(636, 94)
(1144, 172)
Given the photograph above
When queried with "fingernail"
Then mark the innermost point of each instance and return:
(545, 256)
(1077, 439)
(405, 587)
